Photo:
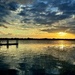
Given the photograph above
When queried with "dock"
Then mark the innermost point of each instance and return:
(8, 43)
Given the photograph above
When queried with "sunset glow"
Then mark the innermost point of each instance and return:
(31, 20)
(62, 33)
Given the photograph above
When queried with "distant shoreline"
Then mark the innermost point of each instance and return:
(34, 39)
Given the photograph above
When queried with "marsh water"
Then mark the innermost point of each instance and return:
(39, 57)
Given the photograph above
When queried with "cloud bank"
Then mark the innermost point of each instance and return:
(51, 15)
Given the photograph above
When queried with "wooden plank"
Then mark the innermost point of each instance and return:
(8, 43)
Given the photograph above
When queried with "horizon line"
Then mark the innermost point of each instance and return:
(37, 38)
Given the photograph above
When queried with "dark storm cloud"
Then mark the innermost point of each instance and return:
(3, 11)
(21, 1)
(40, 11)
(53, 30)
(56, 29)
(13, 6)
(44, 11)
(68, 7)
(71, 27)
(67, 29)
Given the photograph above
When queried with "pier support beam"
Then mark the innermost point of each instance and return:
(16, 43)
(7, 43)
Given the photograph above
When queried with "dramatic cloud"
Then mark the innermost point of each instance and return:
(18, 1)
(39, 13)
(48, 12)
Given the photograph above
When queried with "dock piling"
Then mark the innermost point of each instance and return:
(16, 43)
(7, 43)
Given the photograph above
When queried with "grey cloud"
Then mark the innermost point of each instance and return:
(38, 8)
(56, 29)
(61, 28)
(3, 11)
(41, 12)
(21, 1)
(13, 6)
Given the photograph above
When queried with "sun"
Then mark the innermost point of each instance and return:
(61, 33)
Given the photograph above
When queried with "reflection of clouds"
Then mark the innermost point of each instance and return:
(63, 50)
(48, 55)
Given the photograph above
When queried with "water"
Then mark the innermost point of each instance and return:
(39, 57)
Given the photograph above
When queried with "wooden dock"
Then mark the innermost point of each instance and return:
(8, 43)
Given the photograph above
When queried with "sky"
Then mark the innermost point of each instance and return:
(37, 18)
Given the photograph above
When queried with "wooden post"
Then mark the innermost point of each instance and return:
(16, 43)
(0, 43)
(7, 43)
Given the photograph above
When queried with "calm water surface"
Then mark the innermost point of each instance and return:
(39, 57)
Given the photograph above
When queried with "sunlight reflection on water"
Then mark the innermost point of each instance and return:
(32, 55)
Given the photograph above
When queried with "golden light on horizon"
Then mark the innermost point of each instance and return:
(62, 33)
(33, 33)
